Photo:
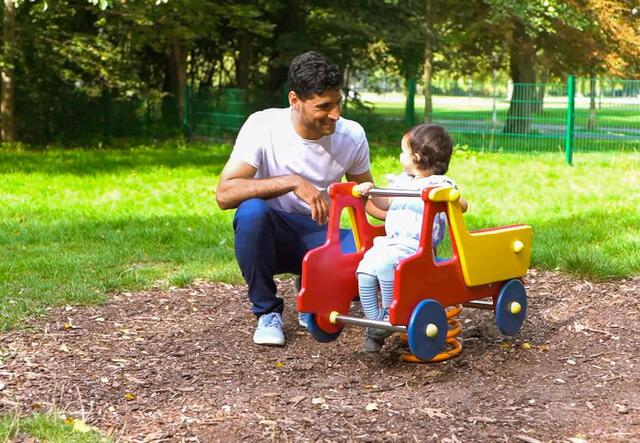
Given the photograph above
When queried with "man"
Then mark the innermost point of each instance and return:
(277, 177)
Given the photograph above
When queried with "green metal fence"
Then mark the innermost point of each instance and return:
(522, 117)
(607, 115)
(77, 119)
(579, 115)
(216, 112)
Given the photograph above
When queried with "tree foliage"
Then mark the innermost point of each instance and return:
(72, 60)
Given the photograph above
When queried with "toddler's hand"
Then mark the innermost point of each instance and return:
(363, 188)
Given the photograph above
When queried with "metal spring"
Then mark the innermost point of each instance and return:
(454, 347)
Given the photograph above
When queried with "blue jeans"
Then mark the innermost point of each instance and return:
(270, 242)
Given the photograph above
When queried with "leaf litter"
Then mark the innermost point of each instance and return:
(147, 366)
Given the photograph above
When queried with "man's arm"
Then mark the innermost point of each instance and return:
(237, 184)
(371, 209)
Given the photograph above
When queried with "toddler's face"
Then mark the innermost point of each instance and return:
(406, 157)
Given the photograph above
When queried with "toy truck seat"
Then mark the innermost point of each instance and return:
(486, 255)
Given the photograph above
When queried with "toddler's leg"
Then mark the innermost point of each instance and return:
(386, 286)
(386, 272)
(367, 289)
(374, 338)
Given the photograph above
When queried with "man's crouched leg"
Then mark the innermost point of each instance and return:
(256, 225)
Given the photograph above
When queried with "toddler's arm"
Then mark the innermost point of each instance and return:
(463, 204)
(381, 203)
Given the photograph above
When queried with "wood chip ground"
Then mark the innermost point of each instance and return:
(179, 365)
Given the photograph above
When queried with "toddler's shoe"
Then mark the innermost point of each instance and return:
(374, 339)
(302, 317)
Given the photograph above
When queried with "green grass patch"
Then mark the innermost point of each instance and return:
(49, 428)
(584, 217)
(78, 224)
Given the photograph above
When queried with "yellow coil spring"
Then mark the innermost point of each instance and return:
(454, 347)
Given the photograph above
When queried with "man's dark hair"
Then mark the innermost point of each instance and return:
(434, 147)
(313, 73)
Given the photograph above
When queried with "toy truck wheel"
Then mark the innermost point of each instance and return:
(317, 332)
(427, 331)
(511, 307)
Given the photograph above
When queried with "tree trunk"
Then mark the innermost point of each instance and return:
(522, 54)
(346, 88)
(7, 103)
(106, 115)
(591, 124)
(175, 79)
(540, 92)
(291, 19)
(428, 62)
(243, 62)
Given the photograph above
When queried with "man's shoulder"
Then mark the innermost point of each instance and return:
(268, 116)
(350, 129)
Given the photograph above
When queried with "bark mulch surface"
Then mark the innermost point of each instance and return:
(180, 365)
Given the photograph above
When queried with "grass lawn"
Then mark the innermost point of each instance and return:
(77, 224)
(50, 428)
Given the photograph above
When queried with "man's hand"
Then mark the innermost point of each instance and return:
(308, 193)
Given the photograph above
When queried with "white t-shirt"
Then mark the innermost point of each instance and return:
(268, 142)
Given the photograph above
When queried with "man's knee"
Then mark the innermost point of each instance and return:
(253, 215)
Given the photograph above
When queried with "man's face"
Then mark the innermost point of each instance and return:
(317, 115)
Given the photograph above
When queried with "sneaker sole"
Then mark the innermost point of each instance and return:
(268, 343)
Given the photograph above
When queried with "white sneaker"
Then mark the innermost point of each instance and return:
(269, 331)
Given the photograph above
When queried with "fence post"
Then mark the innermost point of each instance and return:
(571, 117)
(410, 108)
(186, 114)
(494, 110)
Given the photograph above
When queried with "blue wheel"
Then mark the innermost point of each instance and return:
(317, 333)
(511, 307)
(427, 331)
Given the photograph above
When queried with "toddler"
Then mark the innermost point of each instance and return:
(426, 151)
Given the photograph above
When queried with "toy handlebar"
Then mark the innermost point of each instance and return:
(445, 193)
(384, 192)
